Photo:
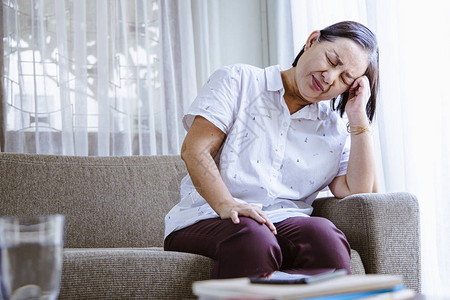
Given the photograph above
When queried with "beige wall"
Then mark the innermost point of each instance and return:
(229, 32)
(243, 37)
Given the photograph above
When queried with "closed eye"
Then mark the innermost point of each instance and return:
(330, 62)
(343, 80)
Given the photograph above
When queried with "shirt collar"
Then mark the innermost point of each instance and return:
(314, 111)
(273, 78)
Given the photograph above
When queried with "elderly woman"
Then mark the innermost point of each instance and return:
(261, 144)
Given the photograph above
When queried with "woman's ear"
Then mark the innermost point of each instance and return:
(313, 39)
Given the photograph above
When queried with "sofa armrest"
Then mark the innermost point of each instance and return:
(383, 228)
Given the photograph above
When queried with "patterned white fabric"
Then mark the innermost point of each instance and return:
(270, 158)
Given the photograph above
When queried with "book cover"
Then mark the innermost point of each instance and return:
(398, 292)
(242, 288)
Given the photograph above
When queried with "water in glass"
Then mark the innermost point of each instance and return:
(31, 261)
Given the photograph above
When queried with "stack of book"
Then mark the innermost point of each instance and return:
(373, 286)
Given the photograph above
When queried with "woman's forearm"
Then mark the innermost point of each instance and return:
(207, 180)
(361, 172)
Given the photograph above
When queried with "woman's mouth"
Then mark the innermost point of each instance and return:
(317, 84)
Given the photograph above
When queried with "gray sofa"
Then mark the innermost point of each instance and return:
(115, 208)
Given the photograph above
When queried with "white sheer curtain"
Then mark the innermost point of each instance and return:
(205, 17)
(412, 127)
(102, 77)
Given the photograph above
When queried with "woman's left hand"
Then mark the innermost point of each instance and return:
(359, 94)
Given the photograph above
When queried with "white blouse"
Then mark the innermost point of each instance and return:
(270, 158)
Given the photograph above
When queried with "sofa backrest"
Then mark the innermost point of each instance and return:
(108, 201)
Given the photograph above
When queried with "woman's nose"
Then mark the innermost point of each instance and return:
(329, 76)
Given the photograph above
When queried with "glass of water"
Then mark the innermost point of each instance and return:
(31, 257)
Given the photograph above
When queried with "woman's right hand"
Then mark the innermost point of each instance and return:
(234, 210)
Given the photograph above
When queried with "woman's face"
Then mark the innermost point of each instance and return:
(327, 69)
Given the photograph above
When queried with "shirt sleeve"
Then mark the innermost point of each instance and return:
(216, 101)
(343, 164)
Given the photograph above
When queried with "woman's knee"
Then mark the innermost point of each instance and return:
(252, 236)
(251, 250)
(318, 226)
(325, 235)
(321, 233)
(318, 244)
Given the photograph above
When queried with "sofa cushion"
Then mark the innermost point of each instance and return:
(149, 273)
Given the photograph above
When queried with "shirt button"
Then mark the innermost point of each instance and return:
(285, 124)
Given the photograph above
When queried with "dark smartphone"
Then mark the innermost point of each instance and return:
(278, 277)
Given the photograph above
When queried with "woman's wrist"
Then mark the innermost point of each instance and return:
(357, 130)
(358, 124)
(224, 206)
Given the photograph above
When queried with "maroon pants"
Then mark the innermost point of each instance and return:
(302, 245)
